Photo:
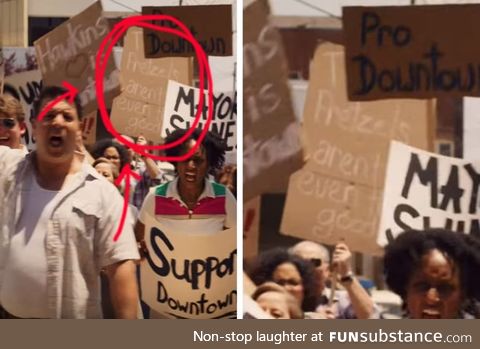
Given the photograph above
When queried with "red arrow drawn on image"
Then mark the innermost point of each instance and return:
(69, 96)
(126, 173)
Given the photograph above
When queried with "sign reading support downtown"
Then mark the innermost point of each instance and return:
(337, 195)
(210, 25)
(425, 190)
(411, 51)
(181, 106)
(139, 108)
(272, 148)
(190, 276)
(67, 53)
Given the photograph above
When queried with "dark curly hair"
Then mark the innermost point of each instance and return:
(212, 143)
(266, 263)
(403, 256)
(101, 145)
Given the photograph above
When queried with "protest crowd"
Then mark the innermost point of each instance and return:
(135, 225)
(361, 191)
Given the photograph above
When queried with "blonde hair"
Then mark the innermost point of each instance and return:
(293, 307)
(11, 107)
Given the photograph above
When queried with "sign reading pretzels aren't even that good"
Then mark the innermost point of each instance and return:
(210, 25)
(190, 276)
(412, 51)
(425, 190)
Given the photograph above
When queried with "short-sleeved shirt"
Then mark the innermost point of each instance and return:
(79, 241)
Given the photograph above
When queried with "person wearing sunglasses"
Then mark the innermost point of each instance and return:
(58, 220)
(12, 123)
(353, 302)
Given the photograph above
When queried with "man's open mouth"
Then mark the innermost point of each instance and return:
(55, 141)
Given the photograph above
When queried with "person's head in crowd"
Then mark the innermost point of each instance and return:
(106, 168)
(434, 272)
(228, 177)
(293, 273)
(58, 132)
(276, 301)
(113, 151)
(12, 121)
(208, 158)
(316, 254)
(130, 152)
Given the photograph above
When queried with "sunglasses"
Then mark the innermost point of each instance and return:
(316, 262)
(8, 122)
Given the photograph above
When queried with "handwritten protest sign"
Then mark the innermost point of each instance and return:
(89, 128)
(327, 209)
(272, 148)
(251, 227)
(350, 140)
(426, 190)
(394, 52)
(181, 106)
(139, 108)
(337, 195)
(210, 25)
(26, 88)
(67, 53)
(190, 275)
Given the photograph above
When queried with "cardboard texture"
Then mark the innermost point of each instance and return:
(204, 286)
(411, 51)
(337, 195)
(67, 53)
(350, 140)
(25, 87)
(210, 25)
(272, 147)
(140, 107)
(251, 227)
(89, 128)
(2, 70)
(181, 106)
(326, 210)
(429, 190)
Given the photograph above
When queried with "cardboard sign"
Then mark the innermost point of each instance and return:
(139, 108)
(411, 51)
(68, 53)
(190, 276)
(350, 140)
(89, 128)
(337, 195)
(210, 25)
(251, 227)
(26, 88)
(326, 209)
(272, 147)
(181, 106)
(2, 70)
(425, 190)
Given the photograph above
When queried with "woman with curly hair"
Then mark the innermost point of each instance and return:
(113, 151)
(296, 275)
(434, 272)
(191, 203)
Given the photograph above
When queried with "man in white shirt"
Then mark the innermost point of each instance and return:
(58, 217)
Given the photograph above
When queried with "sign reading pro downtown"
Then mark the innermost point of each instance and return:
(412, 51)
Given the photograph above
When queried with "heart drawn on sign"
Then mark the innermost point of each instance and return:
(77, 65)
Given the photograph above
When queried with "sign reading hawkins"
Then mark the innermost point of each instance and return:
(412, 51)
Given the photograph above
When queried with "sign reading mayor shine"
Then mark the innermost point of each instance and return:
(412, 51)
